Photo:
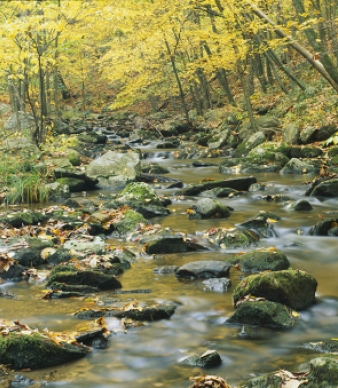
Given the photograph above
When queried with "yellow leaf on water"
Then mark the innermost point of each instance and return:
(295, 314)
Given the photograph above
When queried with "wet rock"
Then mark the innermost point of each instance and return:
(219, 140)
(163, 241)
(204, 269)
(74, 184)
(232, 238)
(207, 359)
(310, 152)
(324, 228)
(93, 137)
(130, 221)
(14, 272)
(166, 270)
(18, 219)
(141, 198)
(263, 313)
(28, 257)
(253, 141)
(263, 259)
(115, 169)
(221, 192)
(322, 372)
(144, 313)
(95, 279)
(201, 163)
(94, 244)
(57, 192)
(216, 284)
(333, 151)
(235, 183)
(294, 288)
(301, 205)
(36, 351)
(324, 188)
(328, 346)
(262, 223)
(154, 169)
(296, 166)
(267, 155)
(210, 208)
(77, 175)
(57, 256)
(21, 381)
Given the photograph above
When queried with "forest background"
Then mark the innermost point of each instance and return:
(66, 58)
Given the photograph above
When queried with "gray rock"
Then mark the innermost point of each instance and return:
(322, 372)
(294, 288)
(291, 133)
(253, 141)
(115, 169)
(211, 208)
(326, 188)
(232, 238)
(219, 140)
(207, 359)
(89, 183)
(216, 284)
(18, 121)
(96, 245)
(324, 228)
(263, 313)
(307, 135)
(204, 269)
(235, 183)
(57, 192)
(296, 166)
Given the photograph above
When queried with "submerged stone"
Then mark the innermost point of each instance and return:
(216, 284)
(263, 313)
(204, 269)
(207, 359)
(294, 288)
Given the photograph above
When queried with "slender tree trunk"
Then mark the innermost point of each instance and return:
(300, 49)
(179, 84)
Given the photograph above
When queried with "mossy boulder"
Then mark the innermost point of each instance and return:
(131, 219)
(154, 169)
(325, 228)
(263, 313)
(301, 205)
(36, 351)
(263, 259)
(294, 288)
(95, 138)
(95, 279)
(264, 155)
(298, 167)
(18, 219)
(211, 208)
(74, 157)
(322, 372)
(163, 241)
(310, 152)
(141, 198)
(253, 141)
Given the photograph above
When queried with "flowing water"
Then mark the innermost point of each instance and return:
(148, 356)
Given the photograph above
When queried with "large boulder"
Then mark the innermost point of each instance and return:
(294, 288)
(324, 188)
(33, 350)
(263, 259)
(18, 121)
(263, 313)
(210, 208)
(253, 141)
(291, 133)
(115, 169)
(297, 166)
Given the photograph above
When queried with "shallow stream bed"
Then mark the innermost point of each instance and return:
(148, 356)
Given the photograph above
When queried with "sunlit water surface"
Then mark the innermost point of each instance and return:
(148, 356)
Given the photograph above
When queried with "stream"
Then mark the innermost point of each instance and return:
(148, 356)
